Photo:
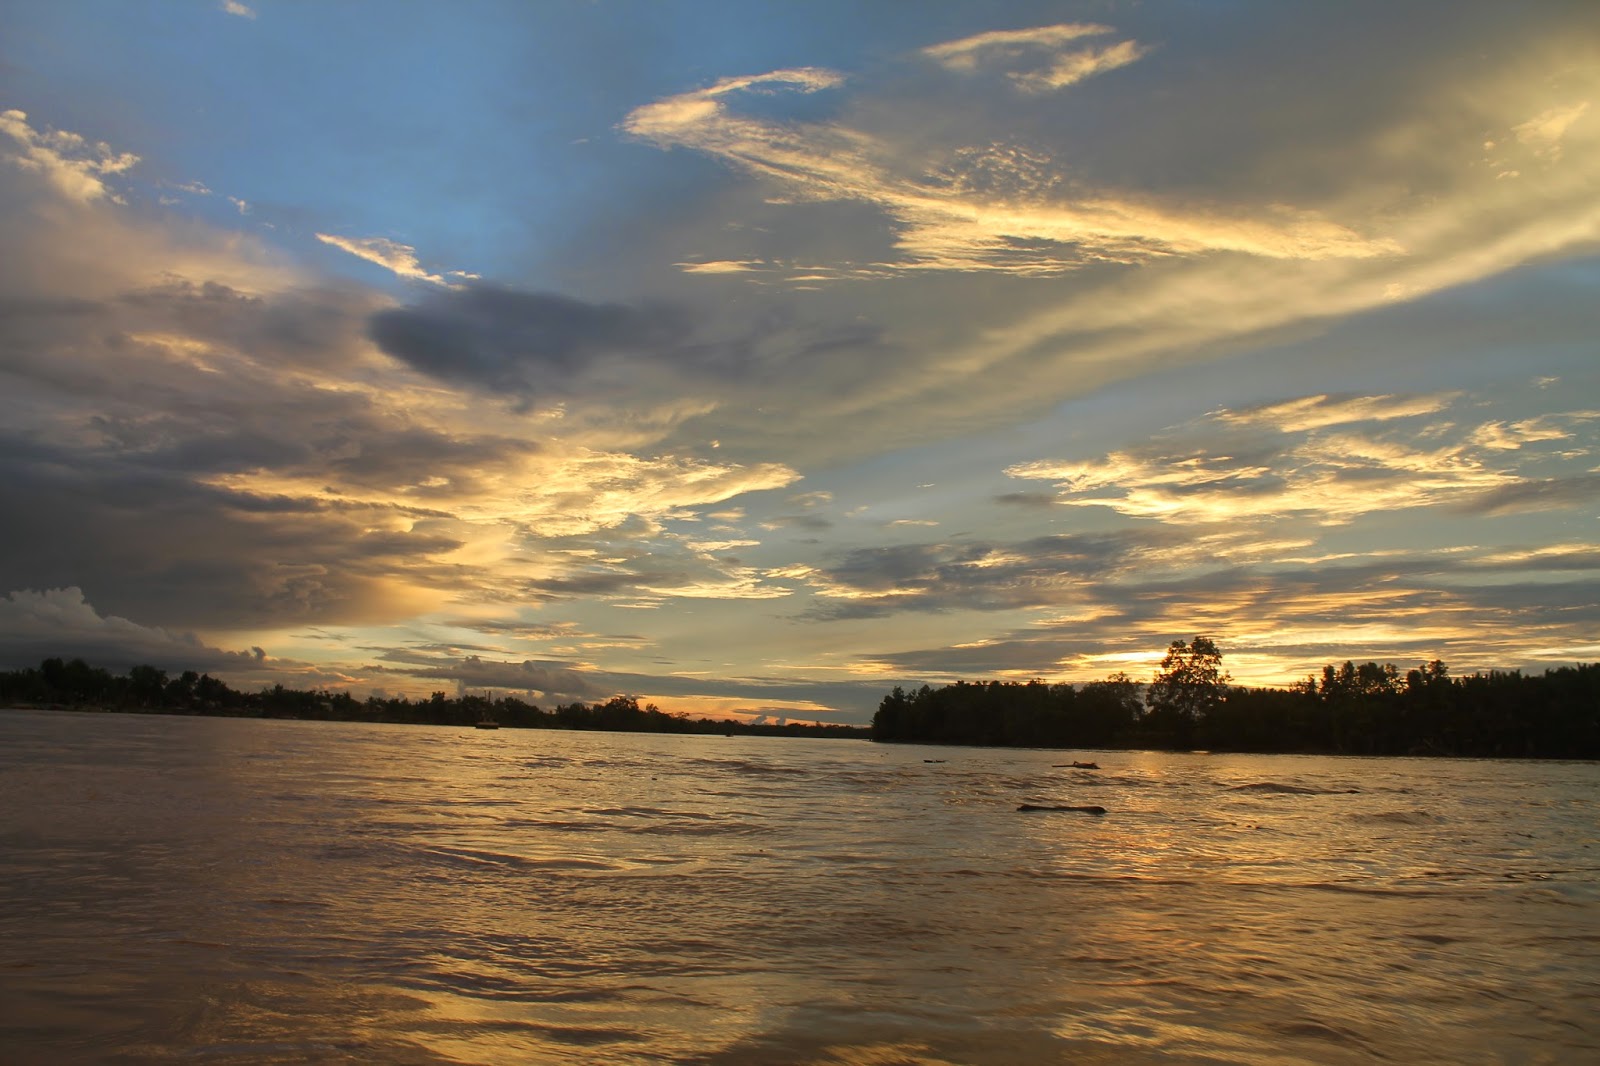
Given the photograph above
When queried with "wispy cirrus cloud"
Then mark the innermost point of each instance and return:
(697, 108)
(1037, 60)
(967, 53)
(1151, 277)
(992, 208)
(1318, 412)
(1327, 460)
(399, 259)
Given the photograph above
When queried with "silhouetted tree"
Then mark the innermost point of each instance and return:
(1189, 683)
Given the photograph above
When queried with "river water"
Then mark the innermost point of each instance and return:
(214, 890)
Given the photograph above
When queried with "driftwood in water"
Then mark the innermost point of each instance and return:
(1077, 765)
(1093, 808)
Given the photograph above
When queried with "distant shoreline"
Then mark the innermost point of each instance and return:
(1365, 710)
(647, 722)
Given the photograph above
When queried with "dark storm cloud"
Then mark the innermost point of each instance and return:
(504, 339)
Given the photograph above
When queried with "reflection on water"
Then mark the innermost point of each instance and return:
(241, 891)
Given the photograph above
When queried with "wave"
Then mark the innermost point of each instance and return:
(1397, 818)
(649, 812)
(742, 766)
(480, 857)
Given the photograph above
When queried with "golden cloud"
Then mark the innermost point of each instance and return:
(391, 255)
(72, 165)
(1327, 469)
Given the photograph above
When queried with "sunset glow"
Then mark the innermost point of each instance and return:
(755, 359)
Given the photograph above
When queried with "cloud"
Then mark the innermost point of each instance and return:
(1547, 494)
(1318, 412)
(692, 109)
(1031, 500)
(370, 523)
(636, 374)
(1511, 436)
(1544, 132)
(198, 455)
(723, 266)
(72, 165)
(234, 7)
(1198, 476)
(992, 208)
(1036, 59)
(165, 547)
(1070, 68)
(1466, 606)
(59, 622)
(524, 342)
(205, 436)
(969, 53)
(1155, 259)
(554, 682)
(975, 575)
(401, 259)
(203, 432)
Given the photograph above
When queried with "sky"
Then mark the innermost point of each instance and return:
(754, 358)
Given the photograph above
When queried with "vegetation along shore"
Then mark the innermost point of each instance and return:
(1189, 703)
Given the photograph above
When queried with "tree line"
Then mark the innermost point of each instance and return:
(1190, 703)
(74, 684)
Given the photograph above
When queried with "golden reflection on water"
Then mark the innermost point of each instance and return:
(256, 891)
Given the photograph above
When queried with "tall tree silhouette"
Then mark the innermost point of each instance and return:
(1188, 685)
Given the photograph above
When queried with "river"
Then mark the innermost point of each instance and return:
(236, 891)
